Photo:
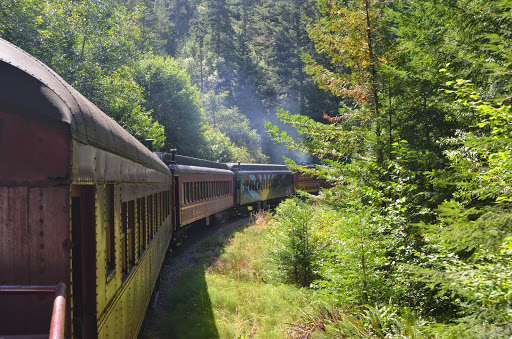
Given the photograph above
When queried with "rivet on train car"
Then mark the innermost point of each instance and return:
(41, 207)
(40, 139)
(41, 234)
(41, 246)
(41, 220)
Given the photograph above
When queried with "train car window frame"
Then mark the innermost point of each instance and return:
(124, 245)
(131, 234)
(150, 218)
(110, 237)
(143, 227)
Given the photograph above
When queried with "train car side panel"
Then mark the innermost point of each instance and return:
(137, 269)
(34, 250)
(203, 192)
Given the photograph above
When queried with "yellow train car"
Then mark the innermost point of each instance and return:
(82, 203)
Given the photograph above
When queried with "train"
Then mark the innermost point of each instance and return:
(88, 213)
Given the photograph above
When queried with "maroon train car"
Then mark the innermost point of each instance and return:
(82, 203)
(203, 188)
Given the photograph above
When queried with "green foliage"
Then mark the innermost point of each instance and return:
(359, 322)
(227, 293)
(217, 146)
(235, 126)
(473, 238)
(91, 45)
(351, 272)
(173, 101)
(483, 282)
(297, 246)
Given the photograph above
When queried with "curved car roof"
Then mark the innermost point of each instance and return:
(244, 167)
(199, 170)
(189, 161)
(30, 88)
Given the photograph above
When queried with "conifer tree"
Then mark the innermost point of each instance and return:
(346, 34)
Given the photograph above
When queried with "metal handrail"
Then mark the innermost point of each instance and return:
(58, 323)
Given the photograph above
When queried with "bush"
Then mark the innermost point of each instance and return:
(296, 242)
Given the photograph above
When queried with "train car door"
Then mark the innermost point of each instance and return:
(83, 264)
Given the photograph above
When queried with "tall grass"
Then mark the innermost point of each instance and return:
(234, 292)
(228, 293)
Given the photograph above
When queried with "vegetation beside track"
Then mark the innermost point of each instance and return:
(229, 293)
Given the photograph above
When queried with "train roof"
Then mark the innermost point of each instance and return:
(30, 88)
(189, 161)
(246, 167)
(199, 170)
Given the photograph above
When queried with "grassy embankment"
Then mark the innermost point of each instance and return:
(228, 293)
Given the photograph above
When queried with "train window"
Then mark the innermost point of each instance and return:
(169, 199)
(183, 192)
(150, 218)
(160, 208)
(142, 224)
(155, 213)
(124, 224)
(110, 229)
(131, 232)
(166, 208)
(187, 187)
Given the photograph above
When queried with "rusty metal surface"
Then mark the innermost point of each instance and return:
(34, 250)
(31, 89)
(58, 317)
(31, 151)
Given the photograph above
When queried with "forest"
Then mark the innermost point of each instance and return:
(404, 105)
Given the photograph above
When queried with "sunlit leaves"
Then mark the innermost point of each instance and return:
(344, 33)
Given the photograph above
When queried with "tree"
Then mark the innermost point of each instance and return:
(347, 35)
(234, 125)
(91, 45)
(173, 101)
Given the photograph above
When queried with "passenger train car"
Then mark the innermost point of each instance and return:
(308, 183)
(86, 207)
(257, 184)
(82, 202)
